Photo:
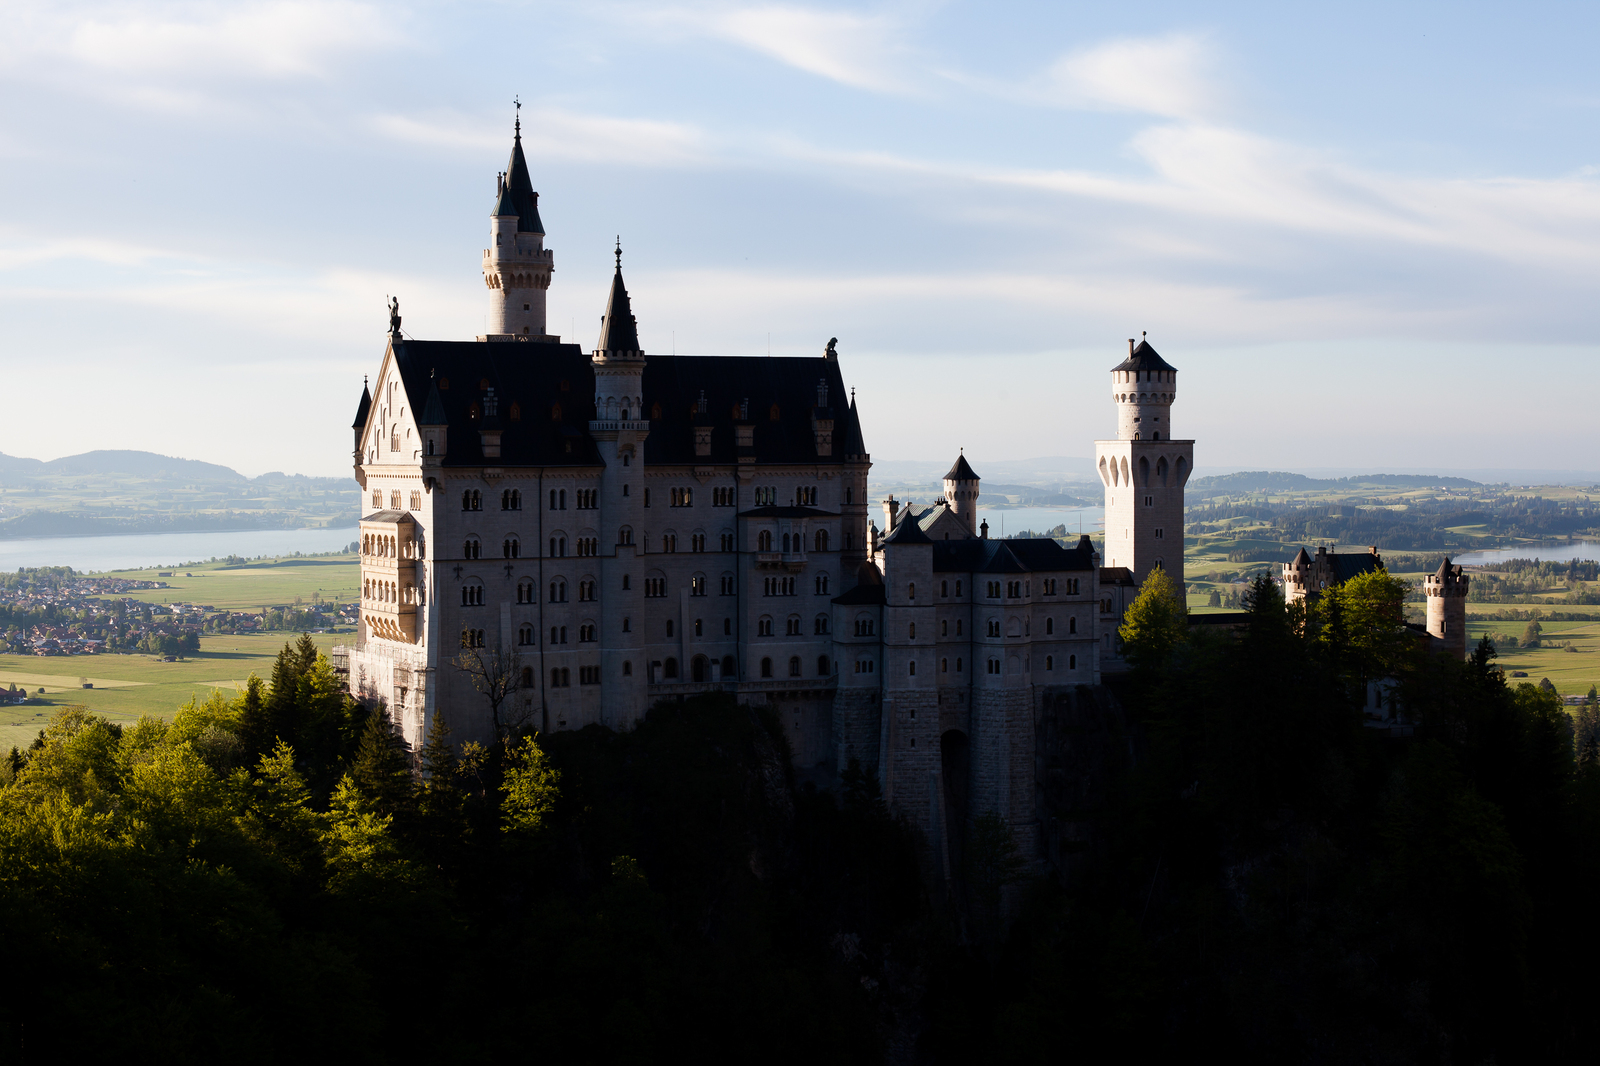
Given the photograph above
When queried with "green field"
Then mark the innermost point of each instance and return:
(128, 686)
(254, 585)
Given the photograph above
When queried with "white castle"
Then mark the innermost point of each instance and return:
(587, 533)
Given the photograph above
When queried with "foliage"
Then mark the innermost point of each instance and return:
(530, 786)
(1153, 626)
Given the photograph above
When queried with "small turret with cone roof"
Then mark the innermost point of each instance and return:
(1446, 590)
(961, 492)
(618, 360)
(517, 267)
(363, 409)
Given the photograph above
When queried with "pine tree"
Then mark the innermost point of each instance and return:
(256, 730)
(382, 768)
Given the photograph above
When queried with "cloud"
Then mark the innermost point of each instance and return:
(281, 39)
(861, 51)
(1168, 76)
(556, 134)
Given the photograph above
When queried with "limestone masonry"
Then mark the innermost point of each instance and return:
(555, 538)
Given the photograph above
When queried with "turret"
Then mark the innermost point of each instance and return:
(360, 424)
(618, 361)
(961, 493)
(1446, 590)
(1297, 577)
(1144, 386)
(516, 265)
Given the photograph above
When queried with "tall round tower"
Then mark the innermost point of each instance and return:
(1447, 608)
(1144, 386)
(517, 266)
(1144, 469)
(961, 493)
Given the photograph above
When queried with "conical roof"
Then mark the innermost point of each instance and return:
(1444, 569)
(433, 411)
(618, 330)
(519, 186)
(1300, 559)
(363, 407)
(1143, 357)
(961, 471)
(505, 205)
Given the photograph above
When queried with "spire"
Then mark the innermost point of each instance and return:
(363, 407)
(519, 186)
(618, 330)
(961, 471)
(433, 410)
(504, 204)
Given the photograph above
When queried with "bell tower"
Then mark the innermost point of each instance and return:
(516, 265)
(1144, 469)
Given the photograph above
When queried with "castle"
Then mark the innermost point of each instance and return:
(557, 538)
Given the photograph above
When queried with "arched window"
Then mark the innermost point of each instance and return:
(1049, 626)
(1072, 625)
(525, 635)
(766, 667)
(527, 677)
(820, 541)
(944, 666)
(794, 666)
(627, 668)
(1049, 662)
(1072, 662)
(822, 666)
(786, 543)
(511, 548)
(911, 631)
(669, 669)
(912, 668)
(764, 540)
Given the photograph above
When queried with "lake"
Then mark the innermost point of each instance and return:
(168, 549)
(1583, 549)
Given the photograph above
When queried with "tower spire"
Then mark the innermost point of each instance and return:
(618, 330)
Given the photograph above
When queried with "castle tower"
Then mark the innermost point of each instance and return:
(961, 493)
(1297, 577)
(1144, 469)
(619, 431)
(1447, 608)
(516, 265)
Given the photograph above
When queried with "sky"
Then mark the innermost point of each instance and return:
(1368, 235)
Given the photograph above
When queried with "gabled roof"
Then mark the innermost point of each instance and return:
(520, 187)
(1143, 357)
(906, 531)
(1115, 575)
(618, 330)
(528, 380)
(363, 408)
(981, 556)
(961, 471)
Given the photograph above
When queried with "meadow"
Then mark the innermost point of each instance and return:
(127, 686)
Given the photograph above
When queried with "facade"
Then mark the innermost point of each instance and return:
(554, 538)
(1305, 576)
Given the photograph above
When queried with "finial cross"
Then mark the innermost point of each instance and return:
(517, 99)
(619, 253)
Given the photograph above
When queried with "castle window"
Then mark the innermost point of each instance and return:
(944, 666)
(525, 591)
(822, 584)
(586, 634)
(823, 666)
(558, 591)
(912, 670)
(1049, 626)
(471, 549)
(697, 542)
(588, 675)
(525, 635)
(416, 501)
(794, 666)
(1049, 662)
(1159, 534)
(377, 501)
(627, 625)
(911, 591)
(792, 626)
(625, 536)
(586, 591)
(627, 668)
(766, 667)
(1072, 662)
(558, 547)
(764, 627)
(912, 631)
(958, 665)
(697, 585)
(511, 548)
(1072, 624)
(472, 595)
(764, 540)
(819, 626)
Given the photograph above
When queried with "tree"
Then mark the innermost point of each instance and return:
(497, 674)
(530, 788)
(1530, 636)
(1155, 622)
(382, 767)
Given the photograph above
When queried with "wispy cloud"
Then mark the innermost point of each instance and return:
(553, 133)
(1170, 76)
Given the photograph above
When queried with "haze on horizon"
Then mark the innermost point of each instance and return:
(1367, 238)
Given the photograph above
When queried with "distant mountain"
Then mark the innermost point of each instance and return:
(1281, 481)
(140, 464)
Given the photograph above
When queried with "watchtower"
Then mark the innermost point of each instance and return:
(517, 266)
(1446, 590)
(1144, 469)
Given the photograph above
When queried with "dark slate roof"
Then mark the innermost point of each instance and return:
(787, 512)
(1353, 564)
(504, 205)
(618, 330)
(1444, 569)
(907, 531)
(362, 408)
(385, 516)
(1143, 357)
(862, 595)
(961, 471)
(847, 441)
(1008, 556)
(520, 185)
(1116, 575)
(1300, 559)
(433, 411)
(527, 380)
